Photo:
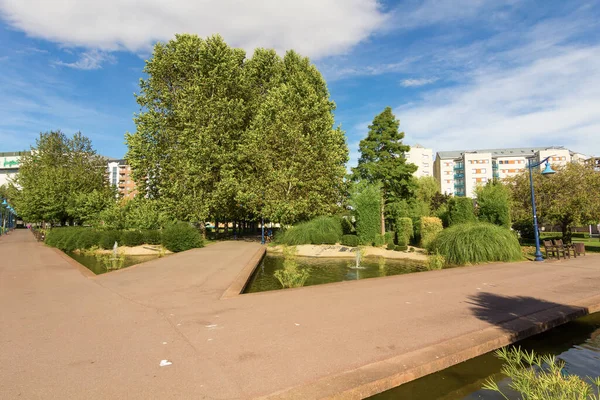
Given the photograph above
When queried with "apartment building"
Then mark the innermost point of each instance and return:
(460, 172)
(422, 158)
(119, 175)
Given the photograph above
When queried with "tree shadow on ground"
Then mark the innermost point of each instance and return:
(522, 316)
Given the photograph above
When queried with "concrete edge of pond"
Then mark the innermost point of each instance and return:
(241, 280)
(81, 268)
(389, 373)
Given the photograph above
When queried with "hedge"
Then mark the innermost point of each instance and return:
(430, 228)
(181, 236)
(321, 230)
(349, 240)
(404, 230)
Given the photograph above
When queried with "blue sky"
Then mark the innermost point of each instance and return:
(459, 74)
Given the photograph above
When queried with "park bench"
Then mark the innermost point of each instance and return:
(552, 250)
(566, 248)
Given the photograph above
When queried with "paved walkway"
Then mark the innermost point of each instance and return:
(65, 335)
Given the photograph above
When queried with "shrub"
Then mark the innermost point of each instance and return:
(460, 211)
(132, 238)
(367, 207)
(64, 238)
(436, 261)
(411, 250)
(88, 238)
(389, 237)
(401, 248)
(379, 240)
(108, 239)
(493, 201)
(430, 228)
(349, 240)
(476, 243)
(347, 227)
(525, 228)
(151, 236)
(321, 230)
(404, 230)
(290, 276)
(181, 236)
(391, 246)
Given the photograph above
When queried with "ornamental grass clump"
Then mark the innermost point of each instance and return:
(321, 230)
(474, 243)
(291, 276)
(537, 377)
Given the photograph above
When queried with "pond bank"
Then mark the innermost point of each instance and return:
(339, 251)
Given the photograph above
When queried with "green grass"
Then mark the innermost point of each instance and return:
(591, 245)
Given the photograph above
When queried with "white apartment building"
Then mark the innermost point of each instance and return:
(422, 158)
(460, 172)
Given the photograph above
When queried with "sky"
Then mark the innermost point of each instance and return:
(459, 74)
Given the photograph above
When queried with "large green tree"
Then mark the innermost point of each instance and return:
(55, 175)
(222, 136)
(567, 198)
(382, 160)
(493, 203)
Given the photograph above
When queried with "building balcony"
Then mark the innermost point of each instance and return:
(459, 175)
(459, 166)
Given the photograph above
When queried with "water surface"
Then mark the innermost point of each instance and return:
(97, 267)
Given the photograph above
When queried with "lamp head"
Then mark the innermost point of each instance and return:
(4, 203)
(548, 170)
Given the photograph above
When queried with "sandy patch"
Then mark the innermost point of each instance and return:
(143, 250)
(339, 251)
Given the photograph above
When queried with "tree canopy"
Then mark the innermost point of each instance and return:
(55, 177)
(219, 135)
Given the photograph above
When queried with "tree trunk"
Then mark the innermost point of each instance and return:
(382, 216)
(566, 232)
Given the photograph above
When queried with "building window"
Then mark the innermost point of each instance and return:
(426, 164)
(479, 171)
(114, 175)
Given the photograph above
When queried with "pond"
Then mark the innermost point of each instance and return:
(97, 266)
(577, 343)
(327, 270)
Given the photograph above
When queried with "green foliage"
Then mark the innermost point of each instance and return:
(220, 134)
(108, 239)
(382, 157)
(132, 238)
(366, 201)
(110, 262)
(391, 246)
(152, 236)
(349, 240)
(537, 377)
(87, 206)
(460, 211)
(430, 227)
(290, 276)
(379, 240)
(525, 228)
(142, 213)
(568, 198)
(181, 236)
(435, 261)
(347, 226)
(401, 248)
(474, 243)
(56, 175)
(88, 238)
(404, 230)
(493, 202)
(321, 230)
(389, 237)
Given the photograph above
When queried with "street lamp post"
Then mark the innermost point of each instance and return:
(547, 171)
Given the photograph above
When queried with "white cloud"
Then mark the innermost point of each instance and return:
(312, 27)
(88, 60)
(418, 82)
(553, 100)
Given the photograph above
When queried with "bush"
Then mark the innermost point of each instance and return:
(493, 201)
(391, 246)
(460, 211)
(404, 230)
(181, 236)
(389, 237)
(347, 227)
(88, 238)
(435, 261)
(321, 230)
(64, 238)
(476, 243)
(525, 228)
(108, 239)
(579, 235)
(401, 248)
(132, 238)
(367, 207)
(379, 240)
(151, 236)
(349, 240)
(430, 228)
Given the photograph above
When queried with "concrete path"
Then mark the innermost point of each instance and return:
(66, 335)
